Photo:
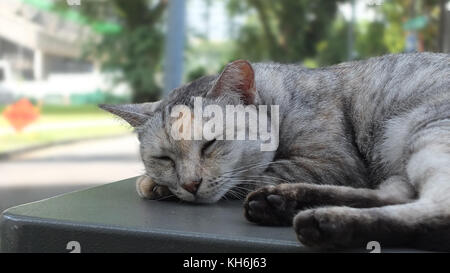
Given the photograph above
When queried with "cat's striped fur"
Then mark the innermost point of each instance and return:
(364, 150)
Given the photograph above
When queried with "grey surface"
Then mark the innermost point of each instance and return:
(112, 218)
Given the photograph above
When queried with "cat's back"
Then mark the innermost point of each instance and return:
(366, 94)
(390, 85)
(400, 74)
(392, 92)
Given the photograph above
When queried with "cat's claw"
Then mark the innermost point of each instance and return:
(148, 189)
(270, 206)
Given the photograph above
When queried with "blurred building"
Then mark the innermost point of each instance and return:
(41, 57)
(35, 42)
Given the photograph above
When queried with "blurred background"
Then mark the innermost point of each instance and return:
(59, 59)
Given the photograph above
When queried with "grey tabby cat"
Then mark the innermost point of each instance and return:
(364, 150)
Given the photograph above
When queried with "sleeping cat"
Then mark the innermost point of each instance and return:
(363, 152)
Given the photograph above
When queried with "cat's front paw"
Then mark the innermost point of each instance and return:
(328, 227)
(148, 189)
(271, 205)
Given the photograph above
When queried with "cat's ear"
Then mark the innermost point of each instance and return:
(238, 78)
(135, 114)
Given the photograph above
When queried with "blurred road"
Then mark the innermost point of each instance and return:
(59, 169)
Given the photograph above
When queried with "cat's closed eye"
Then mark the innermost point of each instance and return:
(207, 146)
(164, 159)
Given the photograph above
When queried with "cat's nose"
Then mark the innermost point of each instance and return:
(192, 187)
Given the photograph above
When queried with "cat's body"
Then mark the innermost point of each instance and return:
(363, 155)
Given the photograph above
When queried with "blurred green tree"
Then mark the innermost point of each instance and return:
(196, 73)
(369, 39)
(397, 13)
(136, 50)
(284, 30)
(333, 48)
(311, 31)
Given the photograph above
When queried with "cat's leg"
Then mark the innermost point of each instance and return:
(277, 205)
(420, 224)
(423, 223)
(148, 189)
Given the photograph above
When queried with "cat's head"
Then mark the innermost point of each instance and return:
(200, 170)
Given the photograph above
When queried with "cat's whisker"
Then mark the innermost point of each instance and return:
(257, 165)
(242, 192)
(271, 177)
(235, 194)
(225, 197)
(245, 178)
(255, 182)
(260, 182)
(247, 167)
(165, 197)
(240, 184)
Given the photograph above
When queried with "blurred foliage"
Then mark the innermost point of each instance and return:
(333, 48)
(196, 73)
(396, 13)
(96, 98)
(137, 53)
(369, 41)
(284, 30)
(137, 49)
(206, 57)
(314, 33)
(311, 32)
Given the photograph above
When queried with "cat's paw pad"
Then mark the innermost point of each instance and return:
(270, 206)
(148, 189)
(324, 228)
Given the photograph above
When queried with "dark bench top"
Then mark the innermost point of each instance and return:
(112, 218)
